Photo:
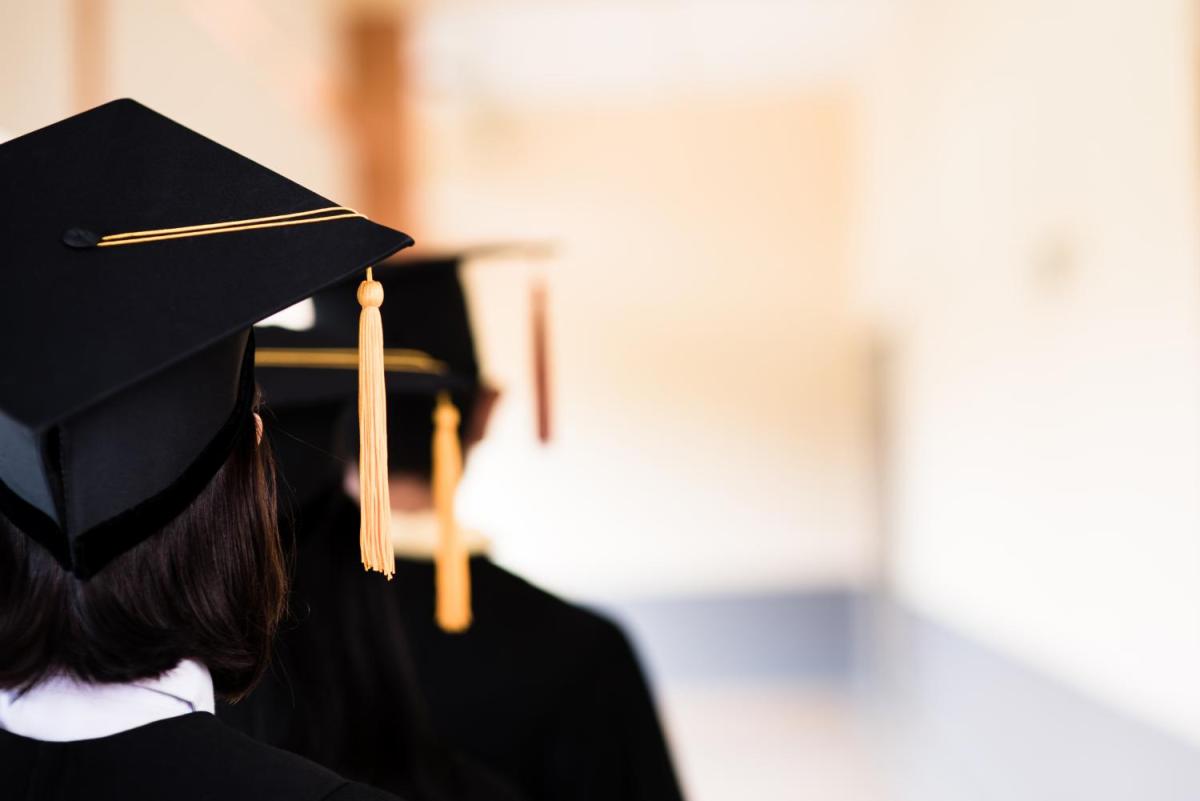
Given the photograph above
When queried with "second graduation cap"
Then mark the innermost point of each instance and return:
(137, 254)
(429, 353)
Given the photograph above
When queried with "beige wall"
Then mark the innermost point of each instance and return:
(1030, 218)
(709, 380)
(259, 77)
(692, 166)
(35, 57)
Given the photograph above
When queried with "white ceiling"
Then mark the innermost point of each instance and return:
(587, 49)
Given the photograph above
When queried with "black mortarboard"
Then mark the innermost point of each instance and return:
(137, 254)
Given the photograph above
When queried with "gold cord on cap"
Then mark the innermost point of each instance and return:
(326, 214)
(452, 562)
(395, 360)
(374, 536)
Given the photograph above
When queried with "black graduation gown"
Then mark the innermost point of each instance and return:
(341, 690)
(192, 757)
(546, 693)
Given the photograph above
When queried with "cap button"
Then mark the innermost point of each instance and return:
(80, 238)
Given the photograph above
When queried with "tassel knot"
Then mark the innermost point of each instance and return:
(370, 294)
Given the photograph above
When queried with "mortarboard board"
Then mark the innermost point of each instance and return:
(429, 352)
(137, 254)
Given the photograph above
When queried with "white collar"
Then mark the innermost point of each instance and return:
(61, 709)
(415, 535)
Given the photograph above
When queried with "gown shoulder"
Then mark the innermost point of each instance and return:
(186, 758)
(354, 791)
(549, 694)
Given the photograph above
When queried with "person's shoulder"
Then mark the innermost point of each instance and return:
(353, 791)
(192, 756)
(467, 779)
(236, 766)
(578, 624)
(285, 773)
(263, 772)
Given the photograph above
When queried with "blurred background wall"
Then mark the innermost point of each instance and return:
(1029, 219)
(709, 373)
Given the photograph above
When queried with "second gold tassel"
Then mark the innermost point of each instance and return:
(451, 559)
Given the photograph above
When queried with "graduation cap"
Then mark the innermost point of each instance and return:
(137, 255)
(429, 354)
(428, 342)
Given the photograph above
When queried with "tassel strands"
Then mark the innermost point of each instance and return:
(452, 562)
(374, 538)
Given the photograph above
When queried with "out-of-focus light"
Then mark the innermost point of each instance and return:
(300, 317)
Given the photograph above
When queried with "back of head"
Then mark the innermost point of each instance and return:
(209, 586)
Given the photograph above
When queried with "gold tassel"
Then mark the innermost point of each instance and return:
(376, 508)
(452, 561)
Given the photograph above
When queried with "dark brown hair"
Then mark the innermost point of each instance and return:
(210, 586)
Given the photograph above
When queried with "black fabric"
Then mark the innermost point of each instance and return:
(341, 690)
(548, 695)
(120, 364)
(132, 523)
(306, 464)
(188, 758)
